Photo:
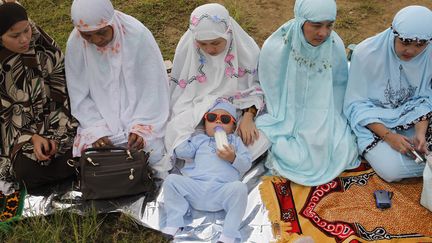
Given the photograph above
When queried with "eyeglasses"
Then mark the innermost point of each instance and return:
(224, 118)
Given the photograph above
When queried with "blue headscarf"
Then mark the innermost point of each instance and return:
(304, 87)
(385, 89)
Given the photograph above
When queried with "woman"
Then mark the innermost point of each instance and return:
(388, 100)
(214, 58)
(37, 128)
(303, 72)
(117, 81)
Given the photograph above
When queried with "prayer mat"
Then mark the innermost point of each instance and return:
(344, 210)
(11, 207)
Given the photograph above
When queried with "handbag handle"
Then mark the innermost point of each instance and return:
(108, 148)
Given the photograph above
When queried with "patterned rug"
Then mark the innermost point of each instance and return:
(344, 210)
(11, 207)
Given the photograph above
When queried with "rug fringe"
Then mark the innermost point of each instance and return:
(268, 195)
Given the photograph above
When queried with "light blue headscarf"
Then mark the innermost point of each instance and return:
(304, 88)
(384, 89)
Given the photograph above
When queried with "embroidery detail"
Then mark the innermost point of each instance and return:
(320, 66)
(83, 26)
(230, 70)
(216, 19)
(393, 97)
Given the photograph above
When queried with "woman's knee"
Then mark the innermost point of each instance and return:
(389, 169)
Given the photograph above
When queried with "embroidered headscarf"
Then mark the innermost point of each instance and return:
(198, 78)
(116, 89)
(385, 89)
(10, 14)
(304, 86)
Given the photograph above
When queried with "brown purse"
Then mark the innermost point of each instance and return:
(111, 172)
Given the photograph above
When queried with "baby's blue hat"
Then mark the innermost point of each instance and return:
(224, 105)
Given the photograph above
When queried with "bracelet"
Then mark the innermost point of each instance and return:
(385, 135)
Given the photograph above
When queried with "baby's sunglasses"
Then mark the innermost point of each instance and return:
(224, 118)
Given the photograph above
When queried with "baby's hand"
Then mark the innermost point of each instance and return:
(227, 154)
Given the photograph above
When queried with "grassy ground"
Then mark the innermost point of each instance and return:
(70, 227)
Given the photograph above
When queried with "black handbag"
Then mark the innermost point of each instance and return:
(110, 172)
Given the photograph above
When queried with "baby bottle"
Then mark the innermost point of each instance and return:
(220, 137)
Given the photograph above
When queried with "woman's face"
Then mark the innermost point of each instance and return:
(407, 50)
(100, 37)
(212, 47)
(17, 38)
(317, 32)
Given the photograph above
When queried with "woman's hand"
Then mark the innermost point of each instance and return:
(247, 129)
(399, 143)
(419, 140)
(227, 154)
(102, 142)
(43, 148)
(135, 141)
(420, 144)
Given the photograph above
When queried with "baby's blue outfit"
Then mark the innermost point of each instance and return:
(209, 183)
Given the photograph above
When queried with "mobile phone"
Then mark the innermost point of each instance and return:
(418, 158)
(383, 199)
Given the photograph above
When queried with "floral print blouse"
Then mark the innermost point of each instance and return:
(33, 100)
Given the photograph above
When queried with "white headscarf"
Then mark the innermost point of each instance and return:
(117, 89)
(198, 79)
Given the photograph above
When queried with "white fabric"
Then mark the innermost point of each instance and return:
(198, 79)
(426, 196)
(120, 88)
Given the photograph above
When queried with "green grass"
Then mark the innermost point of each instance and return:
(71, 227)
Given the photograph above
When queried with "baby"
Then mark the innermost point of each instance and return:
(212, 181)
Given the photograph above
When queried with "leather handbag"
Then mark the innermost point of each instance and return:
(111, 172)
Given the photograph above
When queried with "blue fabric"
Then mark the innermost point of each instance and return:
(409, 27)
(304, 88)
(180, 192)
(385, 89)
(220, 104)
(206, 165)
